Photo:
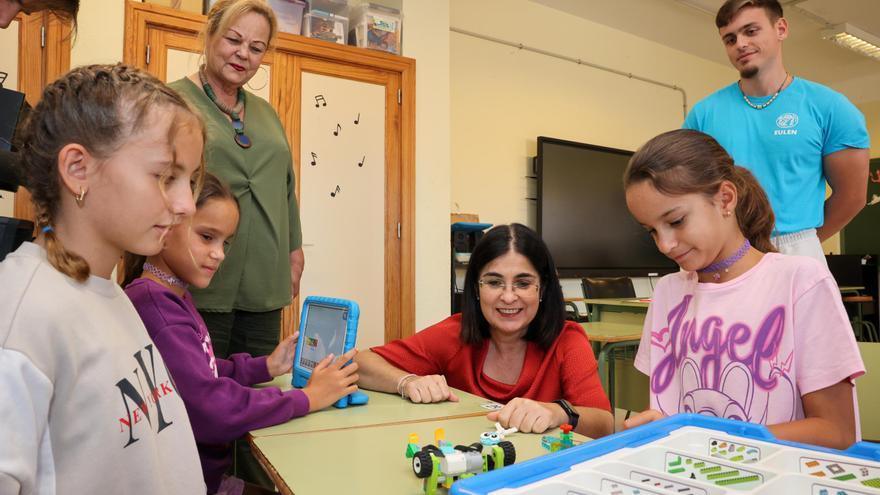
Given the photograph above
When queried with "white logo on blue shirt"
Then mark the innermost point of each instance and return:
(786, 122)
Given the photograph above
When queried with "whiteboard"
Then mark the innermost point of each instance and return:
(342, 196)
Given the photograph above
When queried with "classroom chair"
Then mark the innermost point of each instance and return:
(606, 288)
(864, 329)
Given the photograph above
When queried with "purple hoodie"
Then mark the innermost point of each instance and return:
(219, 401)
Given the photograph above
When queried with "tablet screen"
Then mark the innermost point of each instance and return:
(324, 333)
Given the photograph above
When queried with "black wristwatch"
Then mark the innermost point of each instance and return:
(573, 415)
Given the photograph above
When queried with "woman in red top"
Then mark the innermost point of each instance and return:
(510, 343)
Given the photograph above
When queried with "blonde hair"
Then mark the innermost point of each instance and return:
(65, 9)
(224, 12)
(99, 107)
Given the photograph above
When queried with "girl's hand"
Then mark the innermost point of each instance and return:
(331, 380)
(526, 415)
(643, 418)
(428, 388)
(281, 359)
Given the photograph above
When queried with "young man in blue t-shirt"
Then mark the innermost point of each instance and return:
(793, 134)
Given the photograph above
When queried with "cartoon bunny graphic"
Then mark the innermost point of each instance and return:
(734, 396)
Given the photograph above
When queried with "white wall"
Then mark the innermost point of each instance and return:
(503, 98)
(99, 38)
(426, 39)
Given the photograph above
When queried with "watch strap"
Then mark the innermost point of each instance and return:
(573, 415)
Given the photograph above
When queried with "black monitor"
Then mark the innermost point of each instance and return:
(582, 214)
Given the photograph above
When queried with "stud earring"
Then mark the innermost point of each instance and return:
(79, 197)
(726, 213)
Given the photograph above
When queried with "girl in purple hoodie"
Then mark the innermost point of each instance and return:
(219, 400)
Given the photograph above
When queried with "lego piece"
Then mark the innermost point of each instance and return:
(441, 464)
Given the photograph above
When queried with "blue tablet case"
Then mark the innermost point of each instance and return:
(327, 325)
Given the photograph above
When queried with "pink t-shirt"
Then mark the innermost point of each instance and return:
(748, 348)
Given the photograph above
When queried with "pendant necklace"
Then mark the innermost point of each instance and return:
(767, 104)
(234, 113)
(724, 265)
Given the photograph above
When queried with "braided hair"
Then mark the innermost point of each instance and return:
(98, 107)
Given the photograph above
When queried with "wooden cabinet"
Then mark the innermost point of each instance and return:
(43, 55)
(350, 119)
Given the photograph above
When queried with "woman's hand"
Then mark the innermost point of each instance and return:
(331, 380)
(643, 418)
(281, 359)
(428, 388)
(528, 416)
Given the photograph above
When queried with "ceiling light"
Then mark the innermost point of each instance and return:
(855, 39)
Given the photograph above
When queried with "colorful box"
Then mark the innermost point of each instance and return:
(693, 455)
(325, 26)
(376, 27)
(289, 14)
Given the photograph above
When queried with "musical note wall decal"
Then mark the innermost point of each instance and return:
(361, 163)
(334, 193)
(314, 158)
(320, 99)
(358, 119)
(338, 130)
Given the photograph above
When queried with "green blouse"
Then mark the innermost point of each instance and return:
(256, 273)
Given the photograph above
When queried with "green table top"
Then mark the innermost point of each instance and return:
(605, 332)
(629, 302)
(381, 409)
(370, 460)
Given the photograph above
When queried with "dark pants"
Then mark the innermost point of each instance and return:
(256, 334)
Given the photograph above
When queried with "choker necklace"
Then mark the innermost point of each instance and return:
(240, 137)
(725, 264)
(165, 277)
(767, 104)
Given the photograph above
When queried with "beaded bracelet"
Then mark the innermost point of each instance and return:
(402, 382)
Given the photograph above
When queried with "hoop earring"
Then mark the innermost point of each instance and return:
(79, 197)
(248, 84)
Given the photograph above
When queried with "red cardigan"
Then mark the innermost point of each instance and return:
(567, 370)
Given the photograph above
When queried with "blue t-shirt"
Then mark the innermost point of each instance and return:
(784, 144)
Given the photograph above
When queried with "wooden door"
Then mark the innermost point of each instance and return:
(359, 240)
(43, 55)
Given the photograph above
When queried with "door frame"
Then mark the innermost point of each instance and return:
(48, 34)
(142, 19)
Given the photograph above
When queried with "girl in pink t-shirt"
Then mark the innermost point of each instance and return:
(742, 332)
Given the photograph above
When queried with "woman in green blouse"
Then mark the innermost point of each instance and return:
(247, 148)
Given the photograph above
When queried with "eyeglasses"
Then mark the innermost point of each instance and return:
(521, 287)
